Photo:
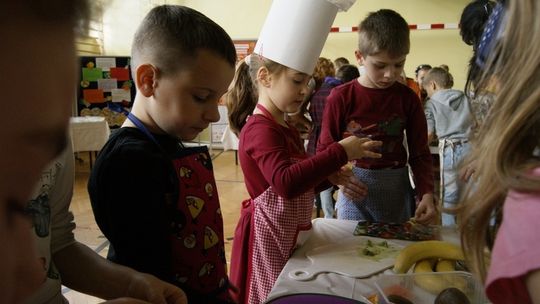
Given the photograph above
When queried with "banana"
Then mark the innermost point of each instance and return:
(455, 281)
(445, 265)
(432, 283)
(424, 250)
(437, 283)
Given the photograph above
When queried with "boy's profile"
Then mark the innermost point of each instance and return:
(379, 106)
(154, 199)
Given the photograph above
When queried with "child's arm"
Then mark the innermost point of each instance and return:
(532, 280)
(420, 160)
(266, 144)
(333, 121)
(130, 189)
(430, 120)
(84, 270)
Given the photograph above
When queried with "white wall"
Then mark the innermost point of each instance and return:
(243, 19)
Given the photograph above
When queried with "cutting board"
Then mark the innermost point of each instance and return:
(346, 258)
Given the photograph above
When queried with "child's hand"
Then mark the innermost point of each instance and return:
(351, 186)
(357, 147)
(466, 172)
(426, 211)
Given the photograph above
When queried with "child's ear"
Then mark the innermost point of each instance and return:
(264, 77)
(146, 79)
(359, 57)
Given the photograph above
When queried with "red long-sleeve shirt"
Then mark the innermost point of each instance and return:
(384, 114)
(266, 153)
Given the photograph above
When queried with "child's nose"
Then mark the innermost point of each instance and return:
(389, 72)
(212, 113)
(304, 90)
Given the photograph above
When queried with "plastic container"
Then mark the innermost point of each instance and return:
(423, 288)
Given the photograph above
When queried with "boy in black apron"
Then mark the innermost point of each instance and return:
(154, 199)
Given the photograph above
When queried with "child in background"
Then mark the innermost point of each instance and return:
(344, 74)
(377, 105)
(419, 74)
(340, 61)
(67, 262)
(324, 68)
(448, 115)
(154, 199)
(481, 93)
(507, 156)
(279, 177)
(411, 83)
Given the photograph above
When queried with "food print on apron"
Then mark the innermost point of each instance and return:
(390, 197)
(196, 237)
(273, 226)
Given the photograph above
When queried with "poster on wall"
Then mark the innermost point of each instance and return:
(244, 48)
(105, 88)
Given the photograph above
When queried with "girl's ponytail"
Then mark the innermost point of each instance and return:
(241, 98)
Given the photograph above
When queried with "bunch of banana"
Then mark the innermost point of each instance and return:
(426, 250)
(430, 256)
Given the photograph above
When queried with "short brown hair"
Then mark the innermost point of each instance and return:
(384, 30)
(170, 35)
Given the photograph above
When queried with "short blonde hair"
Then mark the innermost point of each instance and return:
(440, 76)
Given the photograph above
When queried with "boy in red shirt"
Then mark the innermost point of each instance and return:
(379, 106)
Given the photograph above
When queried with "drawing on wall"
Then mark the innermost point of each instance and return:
(105, 88)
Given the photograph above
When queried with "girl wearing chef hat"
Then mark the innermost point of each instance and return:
(279, 177)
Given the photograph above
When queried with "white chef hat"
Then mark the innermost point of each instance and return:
(295, 31)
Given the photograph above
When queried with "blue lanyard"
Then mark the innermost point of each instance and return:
(138, 123)
(141, 127)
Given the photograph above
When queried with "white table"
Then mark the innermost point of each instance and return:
(88, 133)
(230, 142)
(327, 231)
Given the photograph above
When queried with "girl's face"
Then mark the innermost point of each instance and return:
(287, 89)
(184, 104)
(382, 70)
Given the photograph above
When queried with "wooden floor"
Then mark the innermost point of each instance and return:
(231, 189)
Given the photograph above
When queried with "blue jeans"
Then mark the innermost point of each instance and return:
(451, 186)
(327, 202)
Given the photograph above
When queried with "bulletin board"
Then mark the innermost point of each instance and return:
(244, 48)
(105, 88)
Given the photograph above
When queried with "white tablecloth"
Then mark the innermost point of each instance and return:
(327, 231)
(229, 140)
(88, 133)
